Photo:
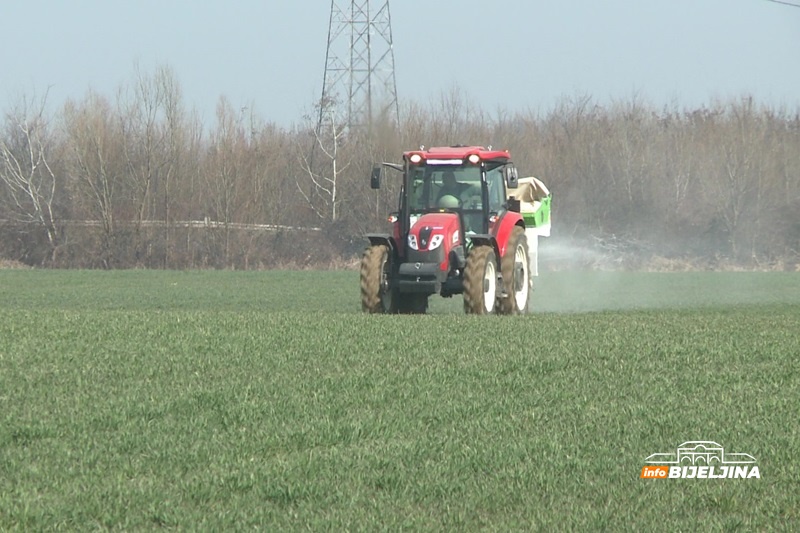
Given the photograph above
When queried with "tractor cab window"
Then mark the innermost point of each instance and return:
(419, 192)
(497, 192)
(451, 187)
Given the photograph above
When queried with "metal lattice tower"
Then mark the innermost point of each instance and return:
(359, 63)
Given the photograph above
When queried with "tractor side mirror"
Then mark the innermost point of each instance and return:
(512, 178)
(375, 179)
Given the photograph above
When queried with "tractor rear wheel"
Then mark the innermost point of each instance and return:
(480, 281)
(516, 275)
(377, 296)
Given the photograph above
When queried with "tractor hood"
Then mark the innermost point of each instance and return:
(432, 230)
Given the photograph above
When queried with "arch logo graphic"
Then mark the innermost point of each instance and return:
(700, 459)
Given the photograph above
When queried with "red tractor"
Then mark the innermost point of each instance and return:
(457, 231)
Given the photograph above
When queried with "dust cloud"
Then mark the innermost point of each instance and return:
(588, 275)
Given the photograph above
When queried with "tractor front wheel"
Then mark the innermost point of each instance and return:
(377, 295)
(480, 281)
(516, 275)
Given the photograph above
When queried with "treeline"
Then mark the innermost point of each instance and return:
(137, 180)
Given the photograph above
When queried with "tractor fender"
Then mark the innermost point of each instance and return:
(503, 228)
(484, 239)
(376, 239)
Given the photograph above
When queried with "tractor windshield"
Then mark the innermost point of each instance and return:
(444, 186)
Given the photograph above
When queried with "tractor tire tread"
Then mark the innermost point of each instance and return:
(473, 279)
(371, 269)
(508, 305)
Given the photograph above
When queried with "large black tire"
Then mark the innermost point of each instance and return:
(412, 304)
(376, 272)
(480, 281)
(516, 275)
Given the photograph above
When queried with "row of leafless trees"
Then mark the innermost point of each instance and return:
(136, 180)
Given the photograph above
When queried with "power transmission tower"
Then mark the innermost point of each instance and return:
(359, 63)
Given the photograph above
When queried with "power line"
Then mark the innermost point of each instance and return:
(784, 3)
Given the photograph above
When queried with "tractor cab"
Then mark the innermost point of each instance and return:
(459, 189)
(468, 181)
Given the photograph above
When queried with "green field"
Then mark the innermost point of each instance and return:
(231, 400)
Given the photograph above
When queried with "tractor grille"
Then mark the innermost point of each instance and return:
(424, 256)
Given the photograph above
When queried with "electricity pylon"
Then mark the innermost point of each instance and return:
(359, 63)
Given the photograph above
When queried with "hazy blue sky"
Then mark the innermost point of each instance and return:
(510, 54)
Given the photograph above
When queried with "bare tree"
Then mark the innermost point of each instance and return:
(328, 139)
(734, 184)
(224, 172)
(678, 164)
(147, 116)
(178, 134)
(25, 171)
(96, 165)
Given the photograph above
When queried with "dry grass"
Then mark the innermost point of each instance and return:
(10, 263)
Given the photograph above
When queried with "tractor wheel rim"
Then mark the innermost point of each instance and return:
(521, 294)
(489, 287)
